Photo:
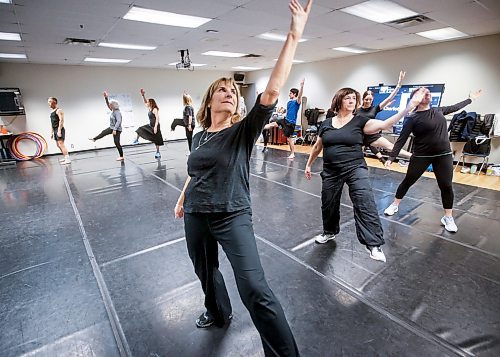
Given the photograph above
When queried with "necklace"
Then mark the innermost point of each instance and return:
(206, 137)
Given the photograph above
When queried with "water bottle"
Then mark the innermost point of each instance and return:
(473, 169)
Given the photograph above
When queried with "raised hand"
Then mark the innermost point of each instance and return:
(143, 92)
(417, 97)
(105, 94)
(402, 75)
(299, 16)
(476, 94)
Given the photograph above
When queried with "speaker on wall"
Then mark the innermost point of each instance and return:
(239, 77)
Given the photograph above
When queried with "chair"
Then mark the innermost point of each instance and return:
(476, 147)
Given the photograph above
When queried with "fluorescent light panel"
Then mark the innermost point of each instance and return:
(127, 46)
(6, 1)
(245, 68)
(224, 54)
(192, 64)
(276, 37)
(294, 61)
(350, 49)
(164, 18)
(446, 33)
(106, 60)
(12, 55)
(379, 11)
(10, 36)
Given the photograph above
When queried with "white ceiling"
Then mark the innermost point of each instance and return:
(44, 24)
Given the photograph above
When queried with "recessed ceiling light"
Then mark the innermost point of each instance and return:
(276, 37)
(127, 46)
(106, 60)
(245, 68)
(350, 49)
(192, 64)
(446, 33)
(12, 55)
(379, 11)
(224, 54)
(164, 18)
(294, 61)
(10, 36)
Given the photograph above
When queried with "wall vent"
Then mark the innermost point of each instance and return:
(410, 21)
(79, 41)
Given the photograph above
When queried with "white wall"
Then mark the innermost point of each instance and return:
(463, 65)
(79, 92)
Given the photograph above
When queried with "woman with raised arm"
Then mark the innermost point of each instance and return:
(115, 125)
(341, 139)
(215, 200)
(374, 141)
(151, 131)
(431, 146)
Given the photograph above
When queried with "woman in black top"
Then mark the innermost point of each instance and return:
(341, 139)
(215, 201)
(151, 131)
(431, 145)
(188, 117)
(374, 141)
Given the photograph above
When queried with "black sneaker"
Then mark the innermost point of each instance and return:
(265, 149)
(205, 321)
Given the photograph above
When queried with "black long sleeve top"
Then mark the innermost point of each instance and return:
(430, 131)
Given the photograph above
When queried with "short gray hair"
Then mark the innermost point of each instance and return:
(114, 104)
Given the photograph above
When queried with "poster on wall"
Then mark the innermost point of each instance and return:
(126, 109)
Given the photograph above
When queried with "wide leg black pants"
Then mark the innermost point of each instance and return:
(368, 227)
(116, 139)
(234, 232)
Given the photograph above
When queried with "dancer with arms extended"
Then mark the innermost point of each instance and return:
(215, 201)
(151, 131)
(431, 146)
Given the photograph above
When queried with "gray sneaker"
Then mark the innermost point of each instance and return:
(449, 224)
(323, 238)
(376, 253)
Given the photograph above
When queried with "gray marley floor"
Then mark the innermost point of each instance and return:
(93, 263)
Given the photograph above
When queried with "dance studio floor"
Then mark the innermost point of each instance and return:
(93, 263)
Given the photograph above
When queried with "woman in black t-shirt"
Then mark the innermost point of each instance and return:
(341, 139)
(367, 109)
(215, 201)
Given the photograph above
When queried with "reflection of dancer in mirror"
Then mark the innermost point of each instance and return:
(215, 201)
(431, 146)
(188, 117)
(288, 124)
(151, 132)
(58, 131)
(279, 114)
(341, 139)
(367, 109)
(115, 125)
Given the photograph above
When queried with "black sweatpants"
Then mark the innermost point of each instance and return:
(368, 227)
(116, 138)
(443, 170)
(234, 232)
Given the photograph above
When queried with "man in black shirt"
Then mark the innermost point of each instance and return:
(58, 131)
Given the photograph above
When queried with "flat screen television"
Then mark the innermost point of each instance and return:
(401, 99)
(11, 102)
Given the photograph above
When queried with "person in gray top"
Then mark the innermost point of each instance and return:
(115, 125)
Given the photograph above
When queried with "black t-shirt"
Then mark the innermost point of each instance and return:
(219, 166)
(369, 112)
(342, 146)
(188, 112)
(430, 130)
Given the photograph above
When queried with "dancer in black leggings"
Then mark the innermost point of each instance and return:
(188, 117)
(215, 201)
(341, 138)
(431, 145)
(115, 125)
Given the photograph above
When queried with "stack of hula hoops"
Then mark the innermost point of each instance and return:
(40, 142)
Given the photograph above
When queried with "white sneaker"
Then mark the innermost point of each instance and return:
(389, 211)
(376, 253)
(62, 160)
(449, 224)
(323, 238)
(66, 161)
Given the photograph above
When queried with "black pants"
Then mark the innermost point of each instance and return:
(189, 136)
(443, 169)
(116, 138)
(368, 227)
(177, 122)
(265, 134)
(234, 232)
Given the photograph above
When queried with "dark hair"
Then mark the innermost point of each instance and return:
(152, 104)
(367, 93)
(339, 97)
(415, 91)
(295, 91)
(54, 99)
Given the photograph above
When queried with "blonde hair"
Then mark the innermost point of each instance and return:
(186, 99)
(204, 115)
